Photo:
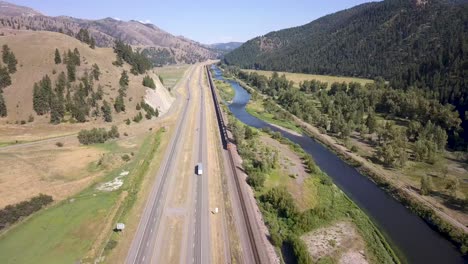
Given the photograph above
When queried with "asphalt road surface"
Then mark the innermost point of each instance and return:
(142, 245)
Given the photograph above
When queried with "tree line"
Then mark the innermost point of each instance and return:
(84, 36)
(9, 59)
(97, 135)
(402, 124)
(124, 52)
(14, 213)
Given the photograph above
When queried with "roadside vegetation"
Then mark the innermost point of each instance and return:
(285, 220)
(405, 133)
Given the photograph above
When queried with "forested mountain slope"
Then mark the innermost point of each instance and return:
(408, 42)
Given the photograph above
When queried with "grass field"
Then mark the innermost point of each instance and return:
(225, 90)
(255, 108)
(64, 233)
(300, 77)
(171, 74)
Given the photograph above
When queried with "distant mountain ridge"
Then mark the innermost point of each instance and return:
(228, 46)
(8, 9)
(105, 31)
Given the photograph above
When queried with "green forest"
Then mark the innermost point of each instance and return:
(422, 46)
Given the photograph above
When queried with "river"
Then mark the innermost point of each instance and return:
(406, 232)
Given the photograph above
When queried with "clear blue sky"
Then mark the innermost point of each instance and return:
(206, 21)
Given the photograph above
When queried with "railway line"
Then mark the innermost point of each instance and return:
(254, 245)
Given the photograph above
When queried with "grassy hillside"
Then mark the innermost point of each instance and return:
(35, 54)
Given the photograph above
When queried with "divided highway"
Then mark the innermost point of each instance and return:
(143, 242)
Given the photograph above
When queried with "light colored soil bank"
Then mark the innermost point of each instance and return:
(339, 241)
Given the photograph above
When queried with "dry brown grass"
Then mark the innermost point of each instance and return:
(300, 77)
(35, 54)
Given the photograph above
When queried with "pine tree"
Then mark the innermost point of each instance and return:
(5, 53)
(56, 110)
(107, 112)
(96, 72)
(39, 101)
(71, 71)
(57, 59)
(124, 79)
(148, 82)
(5, 79)
(92, 43)
(119, 104)
(12, 62)
(3, 109)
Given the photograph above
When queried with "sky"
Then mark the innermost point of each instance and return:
(205, 21)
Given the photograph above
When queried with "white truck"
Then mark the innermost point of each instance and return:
(199, 169)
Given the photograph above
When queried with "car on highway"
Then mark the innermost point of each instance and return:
(199, 169)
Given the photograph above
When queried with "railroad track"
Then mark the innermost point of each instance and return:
(226, 144)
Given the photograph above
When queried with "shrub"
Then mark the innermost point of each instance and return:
(59, 144)
(149, 82)
(23, 122)
(125, 157)
(354, 149)
(31, 118)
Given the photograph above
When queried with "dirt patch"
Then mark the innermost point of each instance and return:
(293, 175)
(339, 241)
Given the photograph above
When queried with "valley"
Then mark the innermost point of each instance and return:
(227, 132)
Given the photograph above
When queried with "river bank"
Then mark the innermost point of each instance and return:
(403, 228)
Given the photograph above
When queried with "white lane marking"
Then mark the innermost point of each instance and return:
(143, 259)
(151, 230)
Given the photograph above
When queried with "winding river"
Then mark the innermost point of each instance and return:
(408, 233)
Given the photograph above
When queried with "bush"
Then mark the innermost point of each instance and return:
(125, 157)
(23, 122)
(256, 180)
(354, 149)
(13, 213)
(31, 118)
(138, 118)
(59, 144)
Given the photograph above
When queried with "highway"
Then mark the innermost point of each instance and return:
(175, 225)
(143, 242)
(175, 198)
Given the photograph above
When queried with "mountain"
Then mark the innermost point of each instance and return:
(225, 47)
(422, 43)
(373, 39)
(8, 9)
(105, 31)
